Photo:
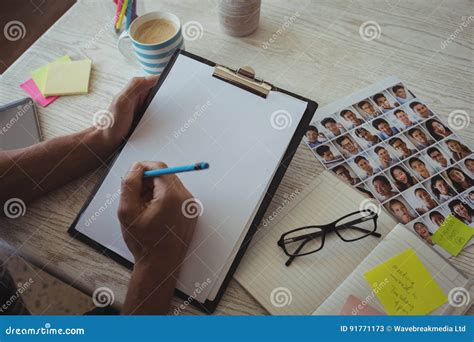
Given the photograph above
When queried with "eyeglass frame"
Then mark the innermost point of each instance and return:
(328, 228)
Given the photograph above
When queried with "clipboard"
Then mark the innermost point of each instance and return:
(245, 79)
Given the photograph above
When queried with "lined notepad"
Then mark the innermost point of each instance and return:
(399, 239)
(310, 279)
(323, 281)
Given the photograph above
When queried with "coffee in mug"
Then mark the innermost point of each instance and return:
(155, 31)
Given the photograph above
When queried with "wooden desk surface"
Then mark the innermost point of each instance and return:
(311, 48)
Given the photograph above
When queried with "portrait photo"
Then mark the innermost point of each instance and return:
(345, 172)
(347, 145)
(437, 129)
(462, 211)
(402, 119)
(437, 157)
(441, 189)
(381, 187)
(367, 109)
(328, 154)
(420, 167)
(420, 227)
(333, 128)
(363, 166)
(401, 176)
(400, 208)
(366, 136)
(401, 94)
(420, 137)
(385, 129)
(435, 218)
(314, 137)
(421, 111)
(350, 118)
(468, 197)
(385, 102)
(402, 146)
(457, 149)
(459, 178)
(469, 165)
(383, 156)
(420, 199)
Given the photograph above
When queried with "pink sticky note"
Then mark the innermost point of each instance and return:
(31, 89)
(355, 307)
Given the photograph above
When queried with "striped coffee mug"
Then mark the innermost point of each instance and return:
(152, 57)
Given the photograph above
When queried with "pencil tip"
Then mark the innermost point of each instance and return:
(202, 166)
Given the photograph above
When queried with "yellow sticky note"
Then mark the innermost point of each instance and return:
(68, 78)
(452, 235)
(39, 75)
(404, 286)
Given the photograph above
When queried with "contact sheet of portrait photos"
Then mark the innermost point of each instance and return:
(390, 145)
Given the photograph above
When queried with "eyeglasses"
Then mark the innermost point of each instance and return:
(310, 239)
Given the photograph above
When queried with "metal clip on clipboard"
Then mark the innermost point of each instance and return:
(243, 77)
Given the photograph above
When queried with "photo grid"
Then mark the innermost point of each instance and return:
(394, 149)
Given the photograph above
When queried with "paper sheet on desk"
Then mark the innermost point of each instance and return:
(393, 146)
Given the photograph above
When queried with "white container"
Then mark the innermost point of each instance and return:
(239, 17)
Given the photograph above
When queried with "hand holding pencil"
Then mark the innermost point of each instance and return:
(157, 231)
(150, 207)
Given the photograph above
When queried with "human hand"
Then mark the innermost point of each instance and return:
(123, 107)
(157, 233)
(150, 212)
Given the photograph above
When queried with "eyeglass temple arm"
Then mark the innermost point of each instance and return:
(300, 247)
(305, 236)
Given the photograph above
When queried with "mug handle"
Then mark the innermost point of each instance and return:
(120, 44)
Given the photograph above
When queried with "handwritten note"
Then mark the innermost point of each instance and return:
(453, 235)
(404, 286)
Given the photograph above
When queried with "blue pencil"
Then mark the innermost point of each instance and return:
(129, 13)
(176, 169)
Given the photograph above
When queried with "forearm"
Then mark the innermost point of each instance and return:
(29, 172)
(150, 289)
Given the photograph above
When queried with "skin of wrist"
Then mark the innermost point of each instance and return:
(155, 269)
(101, 142)
(159, 260)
